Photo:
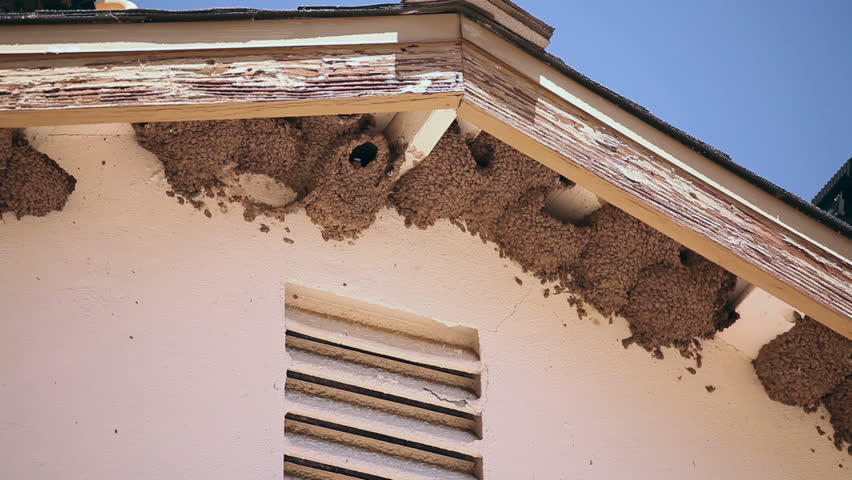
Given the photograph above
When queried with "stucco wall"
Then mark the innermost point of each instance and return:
(140, 339)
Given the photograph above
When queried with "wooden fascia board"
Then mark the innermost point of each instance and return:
(692, 210)
(228, 83)
(652, 138)
(227, 34)
(499, 87)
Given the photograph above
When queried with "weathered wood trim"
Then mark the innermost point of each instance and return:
(762, 318)
(157, 86)
(510, 106)
(653, 139)
(416, 133)
(295, 32)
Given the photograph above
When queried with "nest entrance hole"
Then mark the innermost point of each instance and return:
(363, 155)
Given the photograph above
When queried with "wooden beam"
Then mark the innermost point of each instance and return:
(416, 133)
(229, 34)
(691, 210)
(469, 131)
(219, 84)
(762, 318)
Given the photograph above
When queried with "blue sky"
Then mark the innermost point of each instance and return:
(767, 81)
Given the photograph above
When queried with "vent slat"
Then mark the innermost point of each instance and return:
(425, 390)
(368, 417)
(344, 346)
(311, 468)
(381, 400)
(465, 380)
(376, 338)
(359, 458)
(365, 439)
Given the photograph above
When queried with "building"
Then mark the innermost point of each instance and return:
(236, 243)
(836, 195)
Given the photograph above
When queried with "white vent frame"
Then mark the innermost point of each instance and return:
(374, 393)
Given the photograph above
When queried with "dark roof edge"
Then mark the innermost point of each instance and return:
(519, 13)
(457, 6)
(515, 11)
(845, 169)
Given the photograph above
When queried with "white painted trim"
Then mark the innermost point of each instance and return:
(418, 132)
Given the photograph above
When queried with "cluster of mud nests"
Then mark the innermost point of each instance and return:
(807, 365)
(669, 295)
(31, 183)
(330, 165)
(343, 174)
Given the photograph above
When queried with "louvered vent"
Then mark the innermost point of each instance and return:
(377, 394)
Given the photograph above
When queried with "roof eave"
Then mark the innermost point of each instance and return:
(686, 190)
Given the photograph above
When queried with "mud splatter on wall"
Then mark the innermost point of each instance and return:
(839, 404)
(31, 183)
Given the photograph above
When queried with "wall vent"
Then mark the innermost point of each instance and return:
(377, 394)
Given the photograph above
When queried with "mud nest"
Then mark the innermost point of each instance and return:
(31, 183)
(471, 183)
(620, 247)
(506, 175)
(672, 304)
(804, 364)
(612, 260)
(194, 154)
(839, 405)
(343, 175)
(353, 184)
(537, 241)
(443, 185)
(274, 166)
(6, 137)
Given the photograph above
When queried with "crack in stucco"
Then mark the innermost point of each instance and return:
(512, 313)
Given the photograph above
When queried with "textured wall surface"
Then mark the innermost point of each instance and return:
(139, 340)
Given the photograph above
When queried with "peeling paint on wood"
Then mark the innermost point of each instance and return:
(801, 273)
(37, 89)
